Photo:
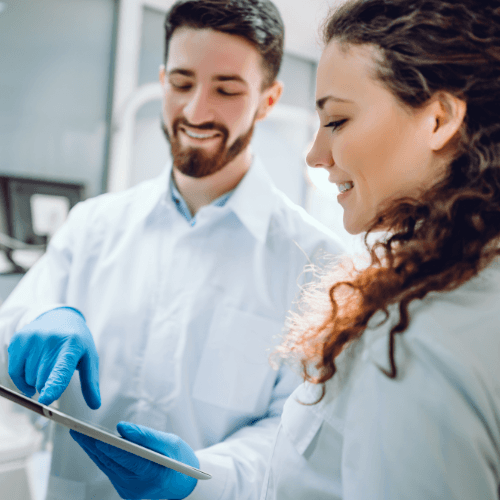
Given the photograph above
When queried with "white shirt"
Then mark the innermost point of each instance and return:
(433, 433)
(183, 318)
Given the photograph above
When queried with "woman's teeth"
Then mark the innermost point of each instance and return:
(345, 187)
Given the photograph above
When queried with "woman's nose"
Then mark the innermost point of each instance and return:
(320, 154)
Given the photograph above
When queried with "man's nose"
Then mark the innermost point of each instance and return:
(199, 109)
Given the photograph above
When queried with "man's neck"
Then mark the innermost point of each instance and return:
(200, 192)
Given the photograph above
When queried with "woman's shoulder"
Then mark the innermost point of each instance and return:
(463, 324)
(451, 346)
(450, 350)
(464, 321)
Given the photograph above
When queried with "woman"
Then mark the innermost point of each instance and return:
(402, 358)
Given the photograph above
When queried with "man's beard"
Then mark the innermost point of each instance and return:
(195, 162)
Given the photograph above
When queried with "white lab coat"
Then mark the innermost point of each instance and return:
(433, 433)
(183, 319)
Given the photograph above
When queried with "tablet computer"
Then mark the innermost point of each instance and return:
(102, 435)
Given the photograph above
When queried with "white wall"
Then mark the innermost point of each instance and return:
(54, 72)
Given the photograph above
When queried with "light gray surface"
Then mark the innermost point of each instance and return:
(55, 61)
(7, 284)
(38, 470)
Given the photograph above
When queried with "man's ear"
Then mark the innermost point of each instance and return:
(269, 98)
(447, 117)
(162, 74)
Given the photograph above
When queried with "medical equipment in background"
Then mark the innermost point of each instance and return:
(31, 211)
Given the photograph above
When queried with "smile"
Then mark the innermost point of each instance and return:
(195, 135)
(347, 186)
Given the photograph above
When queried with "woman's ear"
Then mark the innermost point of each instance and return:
(269, 98)
(447, 115)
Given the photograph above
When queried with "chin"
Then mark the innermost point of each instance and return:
(353, 227)
(354, 231)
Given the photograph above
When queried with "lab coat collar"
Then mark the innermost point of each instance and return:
(252, 200)
(160, 194)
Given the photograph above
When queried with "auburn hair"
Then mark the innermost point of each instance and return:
(445, 237)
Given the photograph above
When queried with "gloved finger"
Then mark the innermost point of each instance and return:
(60, 376)
(101, 457)
(124, 464)
(89, 379)
(89, 447)
(31, 367)
(166, 444)
(179, 485)
(46, 365)
(18, 377)
(149, 438)
(17, 365)
(86, 443)
(135, 465)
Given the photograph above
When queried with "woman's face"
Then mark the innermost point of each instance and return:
(374, 149)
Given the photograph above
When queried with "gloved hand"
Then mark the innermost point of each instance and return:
(136, 477)
(45, 353)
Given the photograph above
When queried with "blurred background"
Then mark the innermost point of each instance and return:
(80, 116)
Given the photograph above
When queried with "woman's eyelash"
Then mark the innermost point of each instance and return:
(335, 124)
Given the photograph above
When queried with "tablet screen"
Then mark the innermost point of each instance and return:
(100, 434)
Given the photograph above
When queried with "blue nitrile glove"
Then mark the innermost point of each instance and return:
(45, 353)
(136, 477)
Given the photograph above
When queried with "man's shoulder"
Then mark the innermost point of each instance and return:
(111, 207)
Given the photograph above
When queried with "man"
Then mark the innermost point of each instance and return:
(172, 293)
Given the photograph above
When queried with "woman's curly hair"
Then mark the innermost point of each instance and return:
(441, 240)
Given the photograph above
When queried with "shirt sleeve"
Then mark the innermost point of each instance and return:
(42, 288)
(238, 464)
(421, 435)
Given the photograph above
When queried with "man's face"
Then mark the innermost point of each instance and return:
(212, 98)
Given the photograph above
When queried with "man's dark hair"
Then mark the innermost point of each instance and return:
(258, 21)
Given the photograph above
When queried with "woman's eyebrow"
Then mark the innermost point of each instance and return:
(320, 103)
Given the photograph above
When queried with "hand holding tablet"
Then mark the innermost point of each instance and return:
(143, 462)
(148, 444)
(136, 477)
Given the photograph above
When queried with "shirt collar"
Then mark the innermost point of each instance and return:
(182, 206)
(252, 201)
(158, 191)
